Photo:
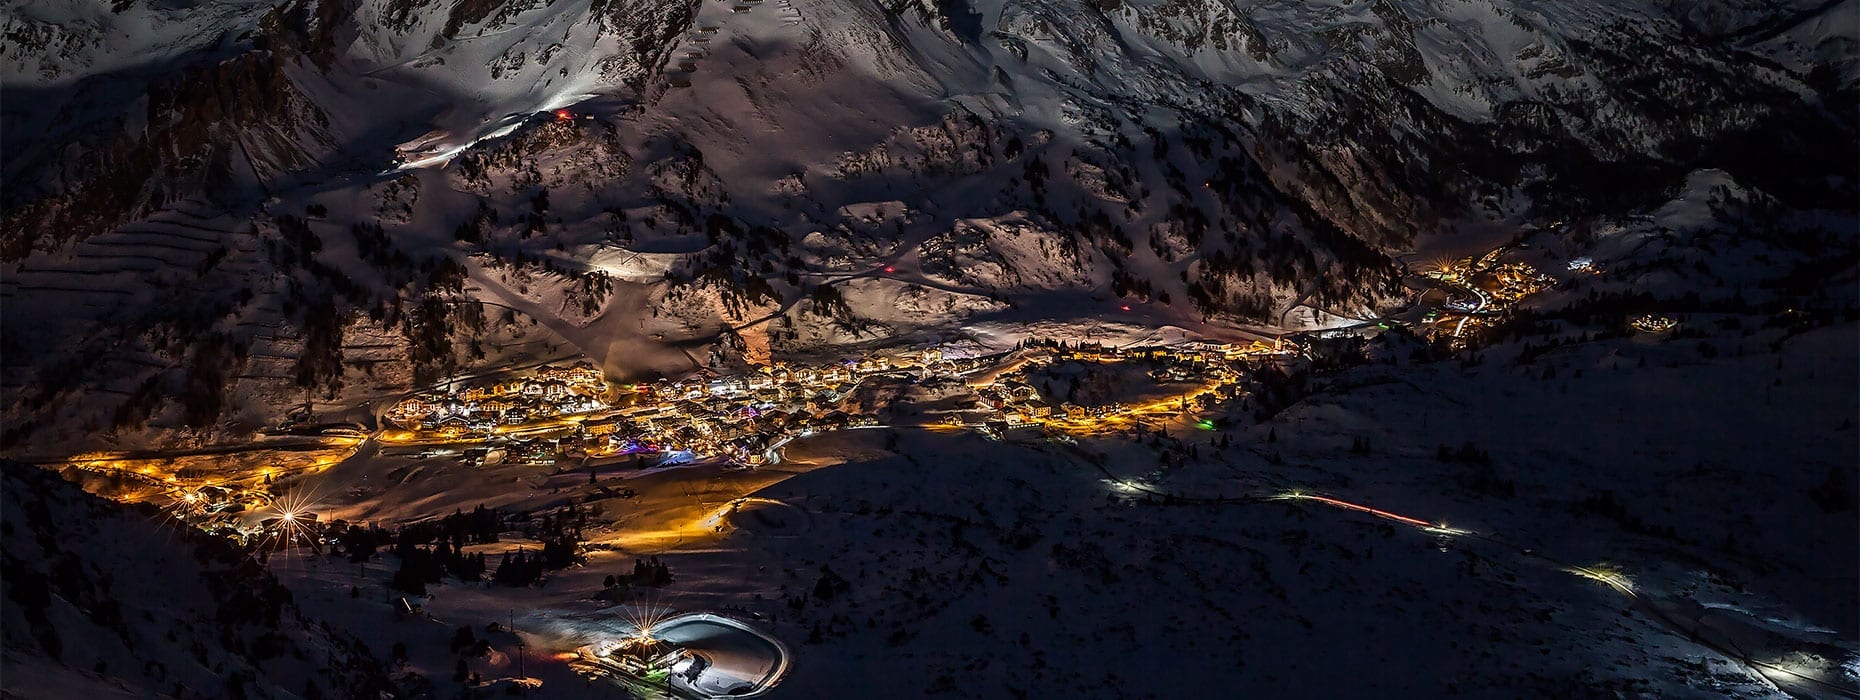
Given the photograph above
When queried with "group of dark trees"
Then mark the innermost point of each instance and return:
(523, 567)
(359, 541)
(202, 389)
(560, 533)
(830, 585)
(646, 572)
(420, 566)
(480, 526)
(518, 568)
(377, 249)
(1052, 344)
(430, 551)
(1274, 389)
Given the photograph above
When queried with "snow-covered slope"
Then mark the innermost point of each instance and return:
(101, 601)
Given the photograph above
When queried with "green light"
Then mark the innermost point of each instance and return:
(1205, 425)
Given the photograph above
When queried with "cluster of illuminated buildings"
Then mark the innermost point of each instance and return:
(1653, 324)
(1514, 281)
(1011, 401)
(553, 391)
(1491, 281)
(1489, 289)
(244, 514)
(742, 416)
(747, 417)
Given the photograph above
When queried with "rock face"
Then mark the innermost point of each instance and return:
(1212, 158)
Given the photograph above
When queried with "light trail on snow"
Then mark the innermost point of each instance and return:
(1397, 517)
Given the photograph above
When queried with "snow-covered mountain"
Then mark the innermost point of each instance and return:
(250, 203)
(215, 214)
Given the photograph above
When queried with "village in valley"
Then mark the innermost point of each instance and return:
(573, 412)
(570, 416)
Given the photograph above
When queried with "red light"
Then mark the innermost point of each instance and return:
(889, 269)
(1126, 307)
(564, 115)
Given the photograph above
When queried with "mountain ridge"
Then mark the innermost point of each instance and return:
(1215, 161)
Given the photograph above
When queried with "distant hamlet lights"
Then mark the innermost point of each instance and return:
(1653, 324)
